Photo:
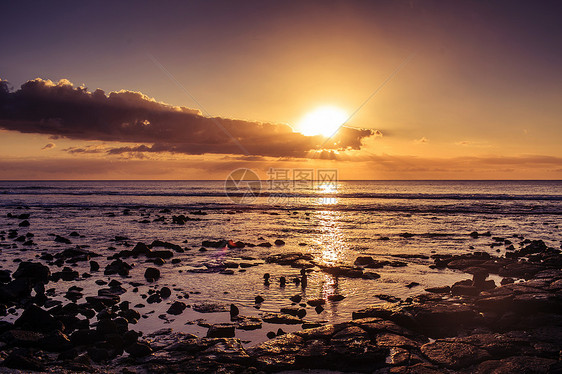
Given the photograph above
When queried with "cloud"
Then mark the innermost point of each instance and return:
(64, 111)
(89, 149)
(48, 146)
(422, 140)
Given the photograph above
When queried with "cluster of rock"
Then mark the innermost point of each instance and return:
(471, 326)
(68, 330)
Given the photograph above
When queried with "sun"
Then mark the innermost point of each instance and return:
(325, 121)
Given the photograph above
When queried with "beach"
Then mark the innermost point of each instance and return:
(180, 276)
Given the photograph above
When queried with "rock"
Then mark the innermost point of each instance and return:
(74, 255)
(221, 330)
(152, 274)
(336, 297)
(94, 266)
(101, 302)
(167, 245)
(208, 308)
(444, 289)
(98, 354)
(17, 289)
(281, 318)
(139, 349)
(56, 342)
(296, 298)
(439, 319)
(5, 276)
(316, 302)
(67, 274)
(165, 292)
(279, 242)
(519, 270)
(60, 239)
(460, 289)
(23, 360)
(33, 271)
(37, 319)
(294, 259)
(454, 355)
(118, 267)
(364, 261)
(518, 364)
(22, 338)
(24, 223)
(343, 271)
(234, 311)
(258, 299)
(214, 244)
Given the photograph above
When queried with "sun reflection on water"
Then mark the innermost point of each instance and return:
(331, 237)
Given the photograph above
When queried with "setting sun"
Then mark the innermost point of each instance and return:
(325, 121)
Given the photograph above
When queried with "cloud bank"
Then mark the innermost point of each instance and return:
(62, 110)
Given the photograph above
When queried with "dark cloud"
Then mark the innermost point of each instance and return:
(62, 110)
(48, 146)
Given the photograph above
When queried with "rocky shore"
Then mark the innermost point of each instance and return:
(471, 326)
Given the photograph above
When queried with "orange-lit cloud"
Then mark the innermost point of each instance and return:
(62, 110)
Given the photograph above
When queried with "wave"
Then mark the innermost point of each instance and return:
(293, 195)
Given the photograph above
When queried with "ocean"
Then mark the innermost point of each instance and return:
(404, 221)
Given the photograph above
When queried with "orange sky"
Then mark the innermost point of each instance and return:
(481, 99)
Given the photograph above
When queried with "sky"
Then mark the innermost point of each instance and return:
(196, 89)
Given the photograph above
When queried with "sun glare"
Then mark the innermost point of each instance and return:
(323, 121)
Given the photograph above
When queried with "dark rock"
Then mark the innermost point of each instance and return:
(67, 274)
(444, 289)
(460, 289)
(177, 308)
(94, 266)
(24, 223)
(258, 299)
(17, 289)
(139, 349)
(98, 354)
(316, 302)
(33, 271)
(5, 276)
(56, 342)
(221, 330)
(23, 360)
(454, 355)
(165, 292)
(60, 239)
(208, 308)
(281, 318)
(37, 319)
(279, 242)
(152, 274)
(118, 267)
(296, 298)
(234, 311)
(518, 364)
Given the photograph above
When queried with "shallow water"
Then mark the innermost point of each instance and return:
(336, 228)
